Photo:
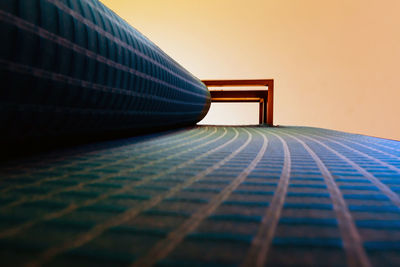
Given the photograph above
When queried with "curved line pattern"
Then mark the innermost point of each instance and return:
(57, 158)
(85, 170)
(367, 139)
(106, 177)
(258, 252)
(249, 196)
(31, 28)
(356, 255)
(124, 44)
(68, 70)
(384, 188)
(162, 248)
(72, 207)
(329, 137)
(131, 213)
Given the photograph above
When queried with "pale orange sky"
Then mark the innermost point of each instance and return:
(336, 64)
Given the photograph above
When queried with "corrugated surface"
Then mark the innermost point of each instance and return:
(212, 196)
(73, 67)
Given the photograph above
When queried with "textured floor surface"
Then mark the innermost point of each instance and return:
(213, 196)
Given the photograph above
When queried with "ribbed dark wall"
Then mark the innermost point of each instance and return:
(74, 67)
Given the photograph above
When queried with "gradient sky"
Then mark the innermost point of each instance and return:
(336, 64)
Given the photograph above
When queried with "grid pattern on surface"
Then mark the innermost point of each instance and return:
(76, 67)
(212, 196)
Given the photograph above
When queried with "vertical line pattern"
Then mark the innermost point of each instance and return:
(353, 246)
(257, 254)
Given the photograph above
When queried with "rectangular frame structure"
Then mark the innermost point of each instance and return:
(265, 98)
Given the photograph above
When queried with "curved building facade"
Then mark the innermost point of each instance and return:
(75, 67)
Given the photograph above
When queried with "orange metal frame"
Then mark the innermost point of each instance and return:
(265, 98)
